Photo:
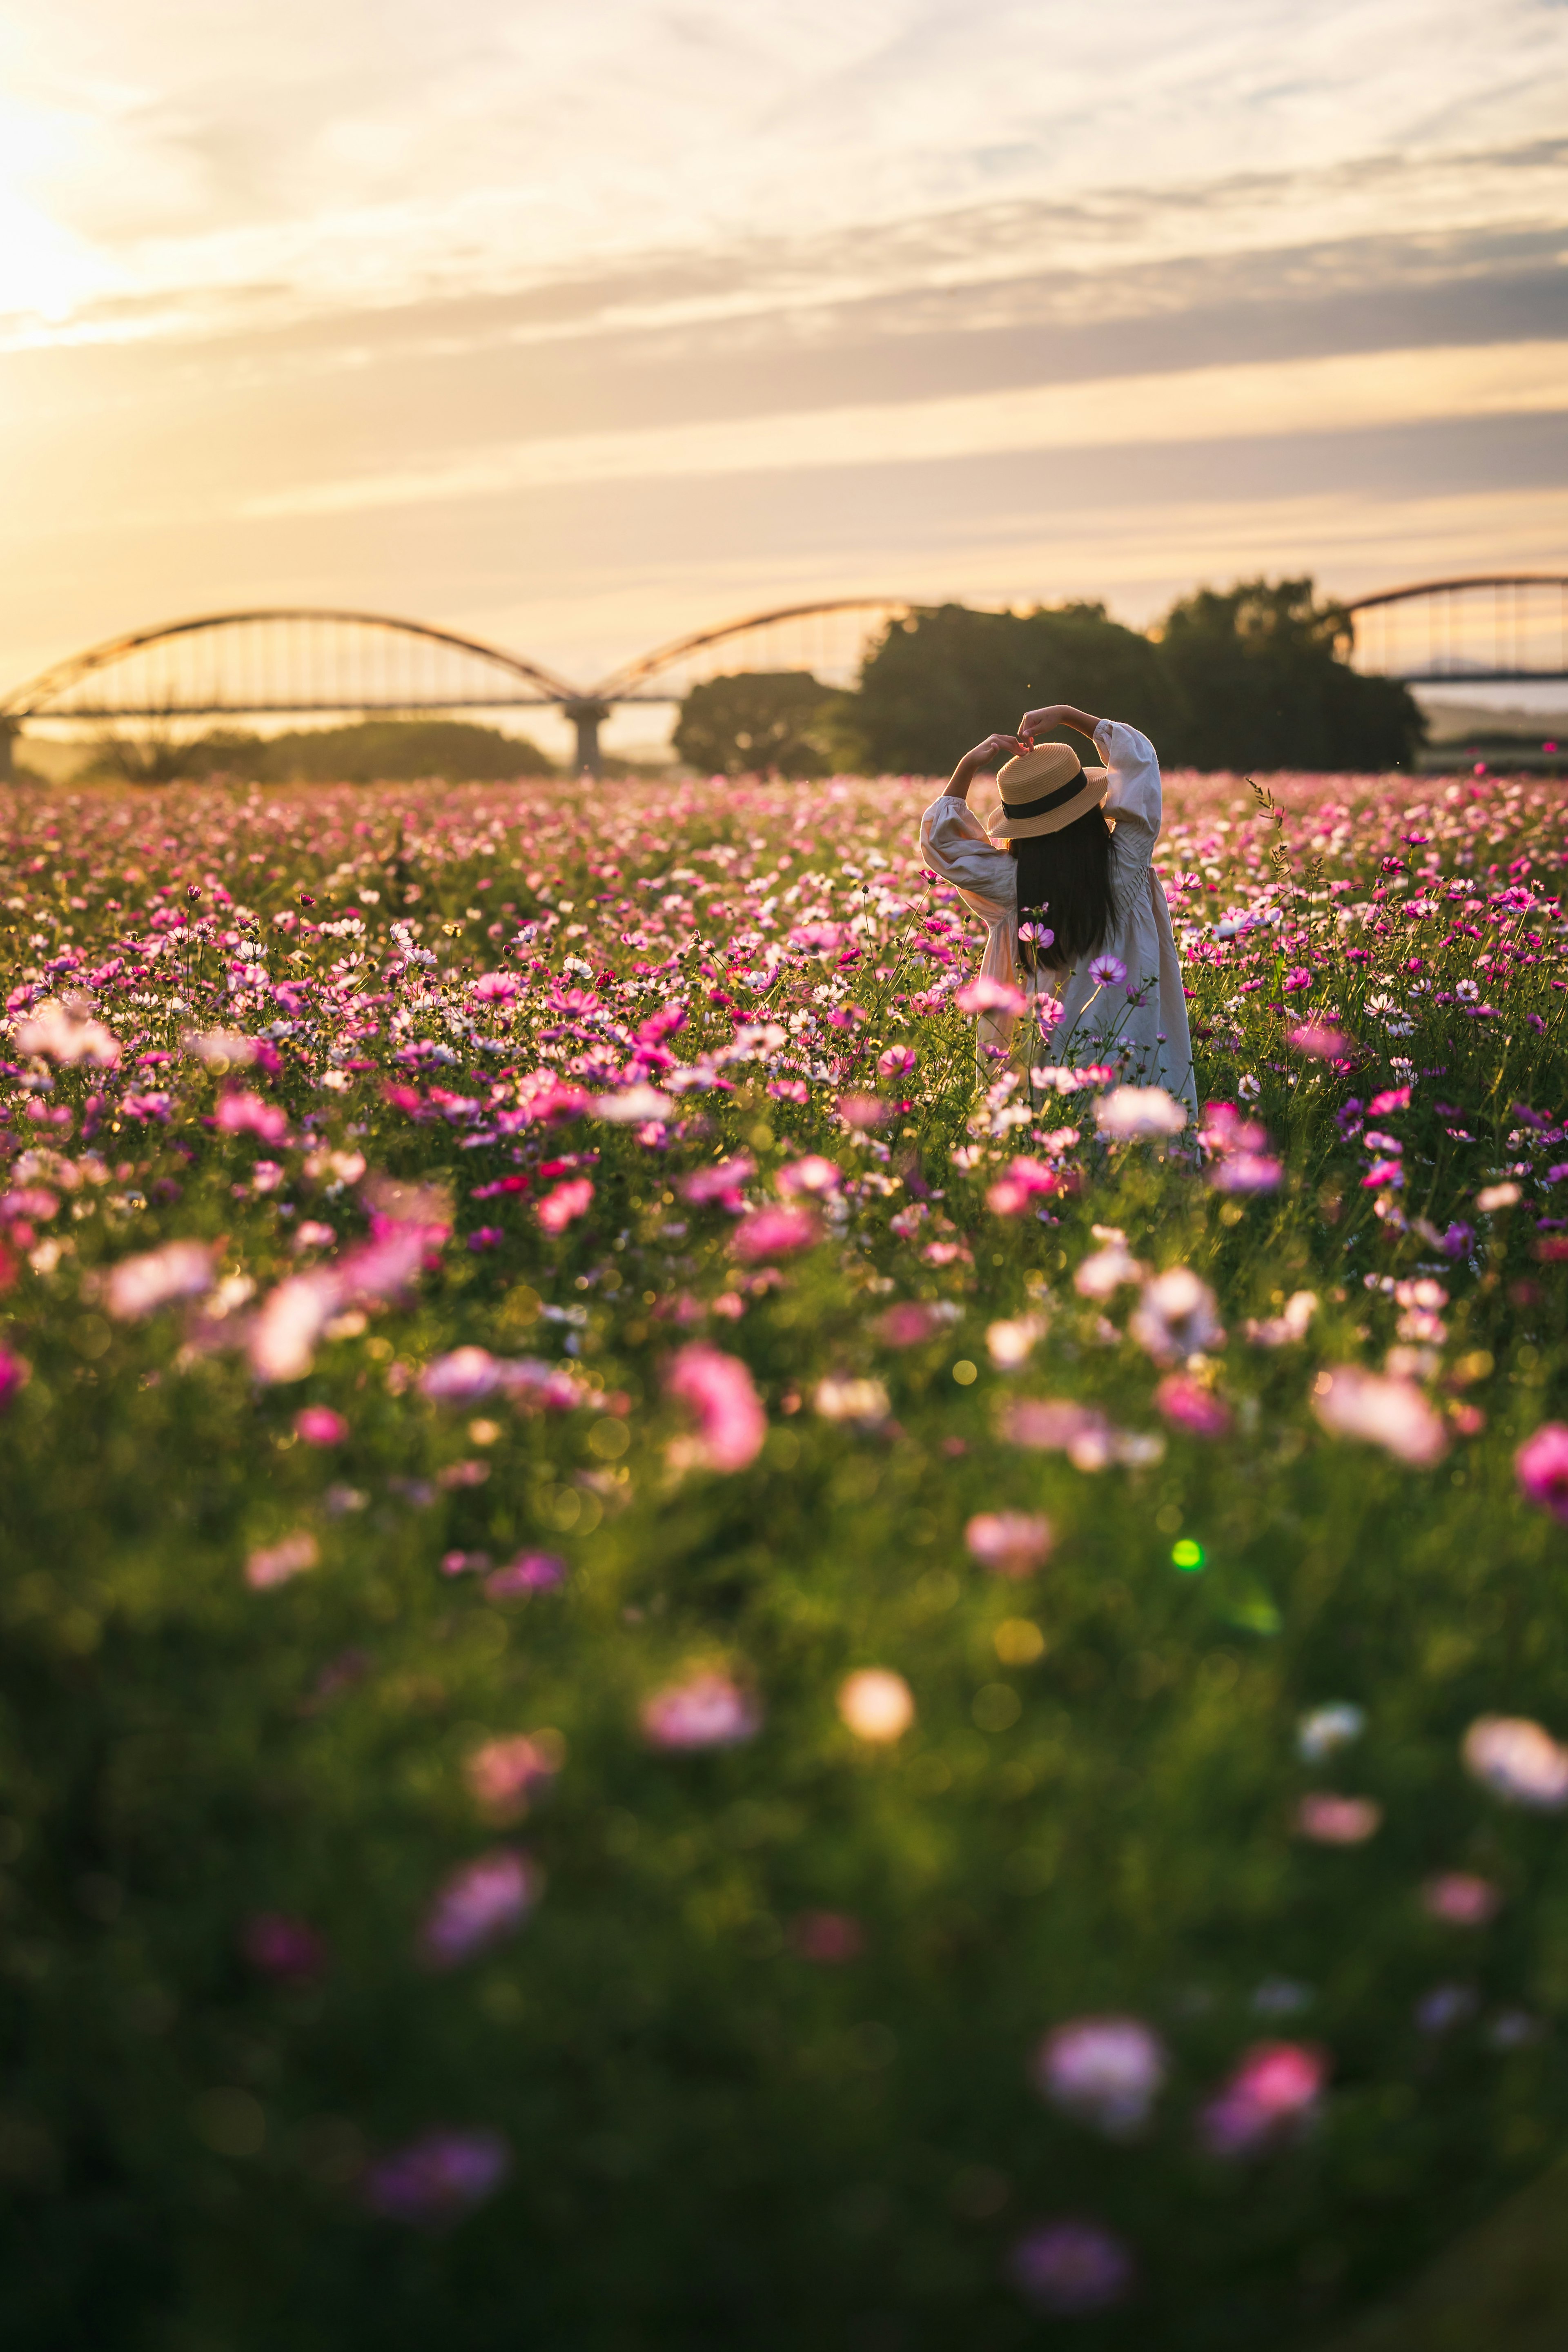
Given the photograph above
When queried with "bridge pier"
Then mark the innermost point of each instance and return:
(9, 730)
(587, 716)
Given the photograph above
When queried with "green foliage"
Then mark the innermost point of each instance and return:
(364, 752)
(944, 677)
(758, 724)
(1262, 681)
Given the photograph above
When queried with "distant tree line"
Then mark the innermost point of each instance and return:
(364, 752)
(1256, 677)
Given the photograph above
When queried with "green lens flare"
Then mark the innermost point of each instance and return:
(1187, 1555)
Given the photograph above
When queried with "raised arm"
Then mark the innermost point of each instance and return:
(1057, 714)
(983, 760)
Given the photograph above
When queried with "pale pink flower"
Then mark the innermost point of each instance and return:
(1108, 971)
(318, 1424)
(845, 1398)
(1128, 1113)
(983, 994)
(570, 1200)
(1011, 1342)
(67, 1033)
(222, 1045)
(1009, 1543)
(877, 1705)
(1272, 2095)
(810, 1173)
(436, 2178)
(1186, 1404)
(1246, 1171)
(503, 1774)
(1021, 1181)
(730, 1423)
(1461, 1900)
(479, 1905)
(138, 1285)
(1064, 2268)
(384, 1266)
(1497, 1196)
(721, 1183)
(1282, 1330)
(1331, 1820)
(1519, 1761)
(289, 1322)
(1104, 1271)
(461, 1377)
(531, 1571)
(276, 1563)
(907, 1325)
(1106, 2071)
(1541, 1466)
(862, 1111)
(772, 1232)
(1388, 1413)
(249, 1114)
(707, 1710)
(1175, 1316)
(1322, 1042)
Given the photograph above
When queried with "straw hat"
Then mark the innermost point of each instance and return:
(1042, 791)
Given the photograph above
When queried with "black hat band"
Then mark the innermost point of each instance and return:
(1051, 800)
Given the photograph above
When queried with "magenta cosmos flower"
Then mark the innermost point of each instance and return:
(479, 1905)
(707, 1710)
(438, 2177)
(318, 1424)
(1186, 1404)
(282, 1946)
(1272, 2095)
(568, 1201)
(772, 1232)
(719, 1391)
(1068, 2267)
(1107, 2072)
(15, 1373)
(1541, 1465)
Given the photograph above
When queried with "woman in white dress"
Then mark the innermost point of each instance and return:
(1066, 851)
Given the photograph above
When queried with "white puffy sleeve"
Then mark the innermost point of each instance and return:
(1133, 798)
(954, 843)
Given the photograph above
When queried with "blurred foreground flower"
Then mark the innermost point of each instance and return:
(568, 1201)
(1130, 1113)
(318, 1424)
(1008, 1543)
(985, 994)
(876, 1704)
(1392, 1414)
(67, 1032)
(15, 1373)
(138, 1285)
(730, 1423)
(276, 1563)
(282, 1946)
(1068, 2267)
(1541, 1466)
(531, 1571)
(1460, 1899)
(772, 1232)
(1010, 1344)
(1282, 1330)
(1519, 1761)
(436, 2178)
(1022, 1181)
(1273, 2095)
(1176, 1316)
(1326, 1728)
(707, 1710)
(1329, 1819)
(1105, 2071)
(1322, 1042)
(839, 1399)
(829, 1938)
(1186, 1404)
(503, 1774)
(479, 1904)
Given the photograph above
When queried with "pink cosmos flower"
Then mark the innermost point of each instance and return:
(721, 1183)
(1246, 1171)
(907, 1325)
(1130, 1113)
(1273, 2095)
(1066, 2268)
(570, 1200)
(531, 1571)
(1186, 1404)
(503, 1774)
(461, 1377)
(434, 2180)
(67, 1033)
(1331, 1819)
(1021, 1181)
(877, 1705)
(249, 1114)
(318, 1424)
(495, 987)
(827, 1937)
(276, 1563)
(983, 994)
(707, 1710)
(730, 1423)
(1322, 1042)
(15, 1373)
(1519, 1761)
(289, 1323)
(897, 1062)
(138, 1285)
(810, 1173)
(863, 1111)
(283, 1947)
(1541, 1466)
(1108, 971)
(384, 1266)
(1298, 978)
(1392, 1414)
(479, 1905)
(771, 1233)
(1009, 1543)
(1175, 1316)
(1011, 1340)
(1461, 1900)
(1107, 2072)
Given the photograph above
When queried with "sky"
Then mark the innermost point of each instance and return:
(575, 329)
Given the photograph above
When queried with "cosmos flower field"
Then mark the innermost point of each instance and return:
(673, 1674)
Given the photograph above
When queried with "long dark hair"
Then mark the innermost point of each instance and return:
(1068, 873)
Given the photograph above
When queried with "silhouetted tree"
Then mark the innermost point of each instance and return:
(1262, 679)
(945, 676)
(758, 722)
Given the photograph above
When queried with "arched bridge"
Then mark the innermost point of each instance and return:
(306, 661)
